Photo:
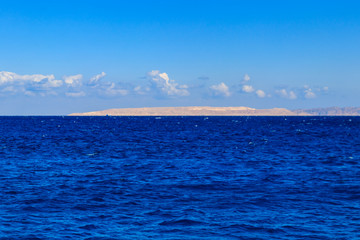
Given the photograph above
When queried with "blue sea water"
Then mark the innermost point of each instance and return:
(180, 178)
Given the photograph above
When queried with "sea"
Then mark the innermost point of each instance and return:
(179, 177)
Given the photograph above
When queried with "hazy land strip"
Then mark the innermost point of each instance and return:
(222, 111)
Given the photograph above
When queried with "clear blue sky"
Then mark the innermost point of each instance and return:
(58, 57)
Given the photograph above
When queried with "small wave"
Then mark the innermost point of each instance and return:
(89, 227)
(30, 209)
(198, 186)
(180, 222)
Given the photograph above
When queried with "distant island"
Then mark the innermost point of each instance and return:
(331, 111)
(222, 111)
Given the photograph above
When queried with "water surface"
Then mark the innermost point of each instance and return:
(179, 177)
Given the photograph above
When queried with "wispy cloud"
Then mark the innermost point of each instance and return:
(246, 78)
(305, 92)
(162, 83)
(286, 94)
(106, 88)
(220, 90)
(75, 94)
(247, 88)
(95, 79)
(111, 89)
(309, 93)
(141, 90)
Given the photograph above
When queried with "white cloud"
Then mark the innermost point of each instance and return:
(74, 80)
(6, 77)
(13, 83)
(95, 79)
(285, 94)
(246, 78)
(247, 88)
(162, 82)
(220, 90)
(309, 93)
(260, 93)
(47, 81)
(43, 85)
(325, 89)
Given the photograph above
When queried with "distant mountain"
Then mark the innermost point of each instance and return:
(193, 111)
(330, 111)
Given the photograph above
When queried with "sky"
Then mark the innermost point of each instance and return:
(60, 57)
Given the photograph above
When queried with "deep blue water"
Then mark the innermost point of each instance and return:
(180, 178)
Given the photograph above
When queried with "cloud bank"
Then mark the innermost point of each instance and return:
(31, 85)
(158, 84)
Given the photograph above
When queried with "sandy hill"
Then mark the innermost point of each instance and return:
(192, 111)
